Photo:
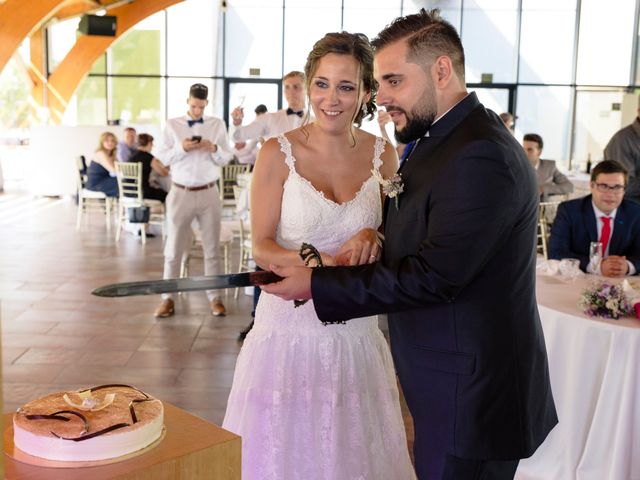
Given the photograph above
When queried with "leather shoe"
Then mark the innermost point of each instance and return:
(165, 309)
(217, 308)
(243, 333)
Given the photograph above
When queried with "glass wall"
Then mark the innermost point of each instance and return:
(556, 64)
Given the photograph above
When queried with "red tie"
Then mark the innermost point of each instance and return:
(606, 233)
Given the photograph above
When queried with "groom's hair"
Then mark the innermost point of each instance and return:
(428, 37)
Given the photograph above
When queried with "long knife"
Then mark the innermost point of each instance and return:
(189, 284)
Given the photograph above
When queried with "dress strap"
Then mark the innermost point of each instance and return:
(285, 147)
(377, 152)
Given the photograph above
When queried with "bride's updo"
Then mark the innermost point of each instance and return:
(357, 45)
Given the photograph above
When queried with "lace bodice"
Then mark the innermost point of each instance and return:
(308, 216)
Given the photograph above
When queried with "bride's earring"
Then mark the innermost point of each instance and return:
(364, 108)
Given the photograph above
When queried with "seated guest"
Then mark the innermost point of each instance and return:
(101, 172)
(550, 180)
(127, 147)
(605, 217)
(149, 164)
(508, 121)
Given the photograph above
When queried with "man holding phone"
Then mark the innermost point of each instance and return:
(195, 147)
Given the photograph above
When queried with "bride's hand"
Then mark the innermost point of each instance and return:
(327, 260)
(364, 247)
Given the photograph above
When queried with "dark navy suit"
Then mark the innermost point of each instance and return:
(575, 227)
(458, 281)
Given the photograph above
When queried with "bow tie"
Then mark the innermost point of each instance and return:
(193, 122)
(291, 111)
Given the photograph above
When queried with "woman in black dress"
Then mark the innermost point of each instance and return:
(101, 172)
(149, 163)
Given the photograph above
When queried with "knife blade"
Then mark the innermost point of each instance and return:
(188, 284)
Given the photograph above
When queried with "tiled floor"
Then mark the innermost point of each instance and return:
(57, 336)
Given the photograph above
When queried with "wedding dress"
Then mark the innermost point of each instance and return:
(313, 401)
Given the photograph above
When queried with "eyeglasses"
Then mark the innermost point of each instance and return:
(604, 188)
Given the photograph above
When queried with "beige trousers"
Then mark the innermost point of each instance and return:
(183, 207)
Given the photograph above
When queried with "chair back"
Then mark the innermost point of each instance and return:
(228, 176)
(81, 177)
(546, 215)
(129, 175)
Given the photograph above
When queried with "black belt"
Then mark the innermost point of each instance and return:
(194, 189)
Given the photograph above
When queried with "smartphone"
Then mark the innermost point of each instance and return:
(196, 138)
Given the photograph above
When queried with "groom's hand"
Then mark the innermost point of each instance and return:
(296, 283)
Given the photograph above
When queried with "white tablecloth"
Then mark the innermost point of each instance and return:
(595, 376)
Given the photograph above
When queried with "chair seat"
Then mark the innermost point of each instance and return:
(93, 194)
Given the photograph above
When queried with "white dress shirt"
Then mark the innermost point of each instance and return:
(599, 224)
(267, 126)
(196, 167)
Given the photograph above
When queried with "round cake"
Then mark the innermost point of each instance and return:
(99, 423)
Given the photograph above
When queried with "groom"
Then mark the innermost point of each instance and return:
(458, 271)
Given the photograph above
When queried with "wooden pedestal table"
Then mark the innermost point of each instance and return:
(191, 449)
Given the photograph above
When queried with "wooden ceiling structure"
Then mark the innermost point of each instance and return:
(20, 19)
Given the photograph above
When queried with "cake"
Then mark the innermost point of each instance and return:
(98, 423)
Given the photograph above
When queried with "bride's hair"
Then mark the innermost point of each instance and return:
(357, 45)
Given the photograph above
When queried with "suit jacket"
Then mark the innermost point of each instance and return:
(552, 180)
(458, 281)
(575, 227)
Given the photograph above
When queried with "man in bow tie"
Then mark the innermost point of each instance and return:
(273, 124)
(195, 147)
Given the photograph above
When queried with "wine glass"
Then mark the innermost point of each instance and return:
(595, 255)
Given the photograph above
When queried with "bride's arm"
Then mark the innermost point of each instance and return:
(267, 183)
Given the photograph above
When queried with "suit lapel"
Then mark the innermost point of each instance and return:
(589, 219)
(619, 232)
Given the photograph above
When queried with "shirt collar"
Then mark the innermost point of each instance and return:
(600, 213)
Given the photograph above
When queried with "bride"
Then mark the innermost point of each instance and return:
(313, 401)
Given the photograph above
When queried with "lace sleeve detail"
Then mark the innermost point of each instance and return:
(377, 152)
(285, 147)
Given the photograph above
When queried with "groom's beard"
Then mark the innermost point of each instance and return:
(419, 120)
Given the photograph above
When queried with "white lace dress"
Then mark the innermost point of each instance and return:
(313, 401)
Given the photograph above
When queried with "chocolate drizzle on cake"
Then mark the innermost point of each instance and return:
(84, 435)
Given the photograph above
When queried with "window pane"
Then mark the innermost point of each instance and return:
(496, 99)
(369, 16)
(547, 112)
(449, 9)
(247, 28)
(606, 36)
(15, 111)
(489, 31)
(138, 51)
(192, 34)
(250, 95)
(62, 37)
(88, 106)
(598, 117)
(135, 100)
(536, 64)
(304, 26)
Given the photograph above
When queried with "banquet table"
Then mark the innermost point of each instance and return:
(595, 376)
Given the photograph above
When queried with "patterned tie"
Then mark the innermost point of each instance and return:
(606, 233)
(193, 122)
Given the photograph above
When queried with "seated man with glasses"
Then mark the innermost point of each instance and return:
(605, 217)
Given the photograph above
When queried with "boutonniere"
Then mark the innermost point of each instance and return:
(391, 187)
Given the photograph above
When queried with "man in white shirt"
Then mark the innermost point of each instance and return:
(195, 147)
(605, 217)
(273, 124)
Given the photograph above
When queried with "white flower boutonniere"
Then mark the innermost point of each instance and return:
(391, 187)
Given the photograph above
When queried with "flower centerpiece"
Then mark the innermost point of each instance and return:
(605, 299)
(391, 187)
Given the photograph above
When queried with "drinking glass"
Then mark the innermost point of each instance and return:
(569, 268)
(595, 255)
